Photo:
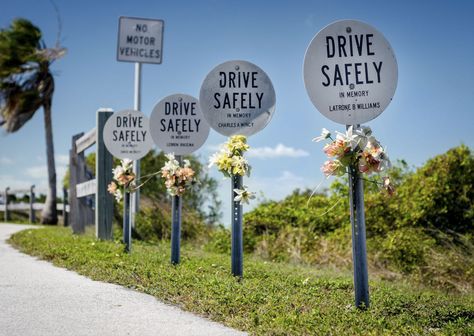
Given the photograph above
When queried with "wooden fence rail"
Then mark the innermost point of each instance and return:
(81, 186)
(32, 206)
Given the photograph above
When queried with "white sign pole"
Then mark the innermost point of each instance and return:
(135, 197)
(140, 40)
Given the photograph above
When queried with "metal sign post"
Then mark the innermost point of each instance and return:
(178, 126)
(140, 40)
(350, 74)
(359, 251)
(176, 225)
(126, 135)
(135, 197)
(237, 247)
(127, 229)
(237, 97)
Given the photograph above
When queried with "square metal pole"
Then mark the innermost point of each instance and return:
(127, 230)
(237, 249)
(176, 226)
(359, 250)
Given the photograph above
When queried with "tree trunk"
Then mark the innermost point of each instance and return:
(49, 214)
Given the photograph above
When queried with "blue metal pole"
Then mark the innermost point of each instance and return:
(127, 230)
(176, 226)
(176, 230)
(359, 251)
(237, 249)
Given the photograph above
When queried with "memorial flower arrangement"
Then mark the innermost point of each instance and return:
(230, 161)
(177, 178)
(355, 147)
(123, 177)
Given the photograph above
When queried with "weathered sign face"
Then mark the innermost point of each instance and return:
(177, 124)
(237, 97)
(140, 40)
(350, 72)
(127, 135)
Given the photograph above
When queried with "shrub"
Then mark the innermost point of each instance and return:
(153, 223)
(219, 240)
(440, 195)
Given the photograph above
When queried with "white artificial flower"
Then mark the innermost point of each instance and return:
(243, 195)
(213, 159)
(126, 164)
(118, 171)
(186, 163)
(171, 166)
(324, 135)
(118, 195)
(170, 156)
(349, 137)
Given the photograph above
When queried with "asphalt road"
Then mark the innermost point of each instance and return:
(37, 298)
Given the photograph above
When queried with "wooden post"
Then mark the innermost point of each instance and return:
(65, 203)
(104, 204)
(74, 179)
(32, 205)
(6, 213)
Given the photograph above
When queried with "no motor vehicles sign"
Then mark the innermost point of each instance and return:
(140, 40)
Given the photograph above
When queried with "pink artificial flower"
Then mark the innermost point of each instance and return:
(332, 168)
(112, 188)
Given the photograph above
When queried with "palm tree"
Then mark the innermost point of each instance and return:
(26, 84)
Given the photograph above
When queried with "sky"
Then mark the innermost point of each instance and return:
(431, 111)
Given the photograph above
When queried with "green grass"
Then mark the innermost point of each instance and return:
(272, 299)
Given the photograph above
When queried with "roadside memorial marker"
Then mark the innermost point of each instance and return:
(177, 126)
(140, 40)
(350, 73)
(127, 136)
(237, 98)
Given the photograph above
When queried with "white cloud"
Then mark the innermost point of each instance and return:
(62, 159)
(13, 183)
(279, 187)
(37, 172)
(6, 161)
(38, 175)
(279, 150)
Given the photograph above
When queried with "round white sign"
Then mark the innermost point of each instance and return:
(350, 72)
(177, 124)
(127, 135)
(237, 97)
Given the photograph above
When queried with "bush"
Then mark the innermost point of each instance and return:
(153, 223)
(219, 240)
(406, 248)
(422, 231)
(440, 195)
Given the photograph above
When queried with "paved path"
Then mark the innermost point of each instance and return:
(37, 298)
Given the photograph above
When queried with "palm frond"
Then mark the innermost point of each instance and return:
(17, 105)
